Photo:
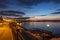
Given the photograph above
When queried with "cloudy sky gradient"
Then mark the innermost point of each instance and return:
(33, 8)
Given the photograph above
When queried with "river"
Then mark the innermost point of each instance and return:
(53, 27)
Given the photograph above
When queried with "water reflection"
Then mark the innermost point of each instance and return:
(50, 26)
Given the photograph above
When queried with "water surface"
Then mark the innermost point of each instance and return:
(53, 27)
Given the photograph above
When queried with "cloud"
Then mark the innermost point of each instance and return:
(3, 4)
(42, 15)
(58, 10)
(56, 13)
(24, 3)
(11, 13)
(35, 2)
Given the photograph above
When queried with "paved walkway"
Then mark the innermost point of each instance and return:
(5, 32)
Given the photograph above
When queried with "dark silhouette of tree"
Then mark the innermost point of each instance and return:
(1, 19)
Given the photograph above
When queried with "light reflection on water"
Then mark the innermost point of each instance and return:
(50, 26)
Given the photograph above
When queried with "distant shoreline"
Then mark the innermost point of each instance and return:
(41, 20)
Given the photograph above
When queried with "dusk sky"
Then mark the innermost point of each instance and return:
(33, 8)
